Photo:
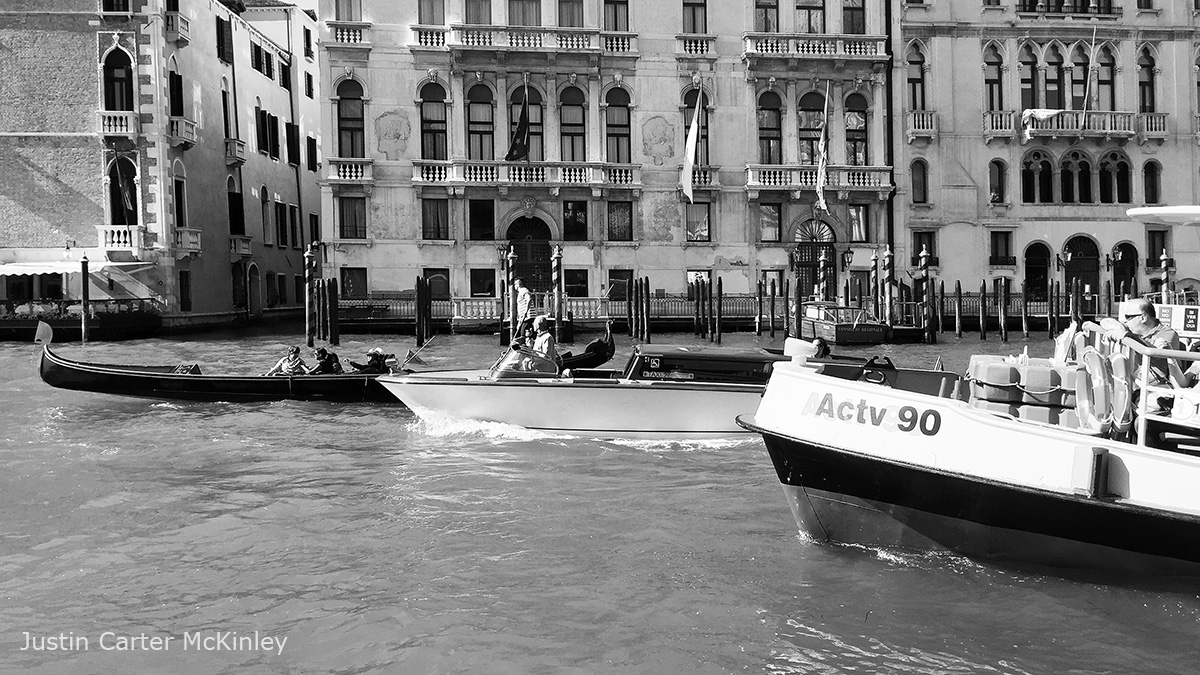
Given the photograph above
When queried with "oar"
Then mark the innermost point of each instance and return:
(412, 355)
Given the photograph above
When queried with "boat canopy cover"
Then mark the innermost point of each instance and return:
(54, 267)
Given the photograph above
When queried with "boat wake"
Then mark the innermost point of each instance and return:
(683, 445)
(431, 423)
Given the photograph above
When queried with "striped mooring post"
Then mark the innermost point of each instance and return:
(556, 280)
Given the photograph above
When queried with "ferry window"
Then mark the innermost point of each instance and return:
(575, 221)
(353, 282)
(483, 283)
(682, 368)
(619, 282)
(770, 222)
(481, 220)
(576, 283)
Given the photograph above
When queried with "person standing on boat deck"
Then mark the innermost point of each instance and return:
(327, 363)
(524, 305)
(544, 343)
(376, 362)
(290, 364)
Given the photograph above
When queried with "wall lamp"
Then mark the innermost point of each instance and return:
(1062, 259)
(1111, 260)
(847, 259)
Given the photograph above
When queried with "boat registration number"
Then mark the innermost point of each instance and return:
(889, 418)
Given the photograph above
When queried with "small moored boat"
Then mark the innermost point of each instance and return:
(662, 392)
(186, 382)
(1037, 461)
(839, 325)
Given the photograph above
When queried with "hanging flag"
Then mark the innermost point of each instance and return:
(44, 334)
(519, 148)
(689, 150)
(822, 153)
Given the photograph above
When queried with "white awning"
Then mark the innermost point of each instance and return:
(58, 267)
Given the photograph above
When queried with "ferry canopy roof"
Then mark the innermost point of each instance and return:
(1166, 215)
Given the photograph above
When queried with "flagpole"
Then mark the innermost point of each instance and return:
(1087, 81)
(822, 161)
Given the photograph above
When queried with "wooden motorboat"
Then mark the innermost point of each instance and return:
(662, 392)
(187, 382)
(1043, 461)
(840, 325)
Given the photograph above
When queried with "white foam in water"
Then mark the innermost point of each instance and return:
(442, 426)
(674, 444)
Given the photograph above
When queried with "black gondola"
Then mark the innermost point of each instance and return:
(186, 382)
(597, 352)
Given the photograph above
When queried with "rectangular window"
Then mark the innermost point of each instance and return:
(617, 134)
(766, 16)
(185, 291)
(697, 221)
(481, 219)
(281, 224)
(352, 217)
(224, 40)
(431, 12)
(576, 283)
(923, 240)
(810, 16)
(575, 224)
(268, 64)
(860, 226)
(294, 226)
(180, 204)
(435, 219)
(237, 214)
(256, 56)
(308, 43)
(283, 288)
(353, 282)
(298, 286)
(347, 10)
(616, 15)
(524, 12)
(438, 279)
(271, 288)
(479, 12)
(619, 282)
(570, 13)
(285, 75)
(273, 136)
(293, 143)
(1156, 246)
(770, 219)
(314, 227)
(854, 17)
(483, 283)
(308, 85)
(1002, 253)
(695, 16)
(620, 221)
(312, 153)
(573, 130)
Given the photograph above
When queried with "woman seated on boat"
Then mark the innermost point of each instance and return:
(376, 362)
(327, 363)
(290, 364)
(544, 343)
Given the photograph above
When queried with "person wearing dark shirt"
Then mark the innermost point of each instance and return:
(376, 362)
(327, 363)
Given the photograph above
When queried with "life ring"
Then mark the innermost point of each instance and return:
(1093, 394)
(1123, 377)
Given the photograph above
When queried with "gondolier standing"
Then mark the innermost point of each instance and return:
(524, 301)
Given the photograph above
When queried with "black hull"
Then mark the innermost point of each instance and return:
(839, 495)
(159, 382)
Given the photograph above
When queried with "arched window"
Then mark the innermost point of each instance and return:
(1030, 97)
(350, 121)
(1037, 271)
(237, 213)
(537, 150)
(433, 122)
(174, 90)
(264, 204)
(1037, 178)
(1075, 178)
(856, 130)
(118, 81)
(226, 109)
(616, 126)
(1151, 182)
(1080, 72)
(811, 116)
(920, 182)
(916, 79)
(1114, 179)
(1056, 76)
(993, 84)
(179, 190)
(1146, 80)
(1106, 90)
(689, 102)
(997, 182)
(122, 192)
(573, 125)
(481, 142)
(770, 128)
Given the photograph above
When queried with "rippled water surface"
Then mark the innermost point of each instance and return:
(375, 543)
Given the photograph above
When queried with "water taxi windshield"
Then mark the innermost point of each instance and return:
(522, 361)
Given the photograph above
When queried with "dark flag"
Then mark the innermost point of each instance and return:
(519, 149)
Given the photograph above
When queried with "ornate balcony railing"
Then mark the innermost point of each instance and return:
(429, 37)
(121, 237)
(181, 131)
(760, 46)
(547, 39)
(1077, 123)
(235, 151)
(350, 170)
(349, 34)
(998, 124)
(117, 123)
(187, 240)
(239, 246)
(179, 29)
(920, 124)
(696, 46)
(1151, 126)
(619, 44)
(804, 176)
(525, 173)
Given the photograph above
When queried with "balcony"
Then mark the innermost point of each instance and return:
(842, 178)
(235, 152)
(239, 247)
(429, 37)
(693, 46)
(181, 131)
(117, 123)
(129, 238)
(1001, 260)
(920, 124)
(187, 241)
(533, 45)
(619, 45)
(351, 38)
(179, 30)
(1083, 10)
(350, 171)
(1075, 124)
(999, 124)
(1151, 127)
(533, 174)
(779, 52)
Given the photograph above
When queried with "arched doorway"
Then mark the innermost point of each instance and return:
(1124, 266)
(1082, 258)
(253, 292)
(529, 237)
(1037, 271)
(814, 238)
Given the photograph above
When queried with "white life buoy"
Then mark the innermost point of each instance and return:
(1123, 376)
(1093, 394)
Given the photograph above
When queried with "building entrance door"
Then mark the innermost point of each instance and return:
(530, 240)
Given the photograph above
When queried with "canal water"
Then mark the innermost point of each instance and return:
(315, 538)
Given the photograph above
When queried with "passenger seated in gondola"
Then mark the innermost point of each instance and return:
(376, 362)
(327, 363)
(290, 364)
(544, 343)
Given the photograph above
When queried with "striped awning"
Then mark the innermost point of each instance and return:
(58, 267)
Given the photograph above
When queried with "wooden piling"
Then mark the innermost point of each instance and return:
(646, 310)
(1002, 291)
(712, 322)
(720, 297)
(758, 319)
(771, 317)
(1024, 311)
(941, 305)
(958, 308)
(310, 296)
(85, 302)
(983, 310)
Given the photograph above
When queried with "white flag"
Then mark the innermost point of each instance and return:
(689, 150)
(822, 153)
